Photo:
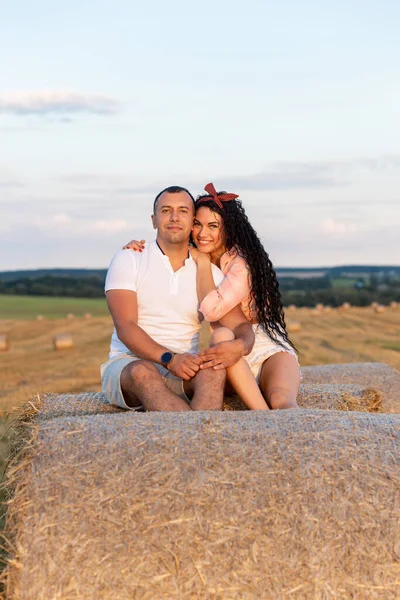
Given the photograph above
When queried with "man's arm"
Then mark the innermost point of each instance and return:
(122, 305)
(226, 354)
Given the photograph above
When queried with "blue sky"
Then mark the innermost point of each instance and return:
(293, 105)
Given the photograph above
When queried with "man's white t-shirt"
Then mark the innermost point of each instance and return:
(168, 307)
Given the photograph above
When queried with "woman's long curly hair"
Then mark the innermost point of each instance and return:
(238, 233)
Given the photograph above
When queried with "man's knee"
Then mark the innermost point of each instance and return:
(141, 370)
(221, 334)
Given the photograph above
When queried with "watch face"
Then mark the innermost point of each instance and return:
(166, 357)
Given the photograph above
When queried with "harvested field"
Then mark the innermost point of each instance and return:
(32, 366)
(288, 504)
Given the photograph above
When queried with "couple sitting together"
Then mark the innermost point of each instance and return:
(206, 262)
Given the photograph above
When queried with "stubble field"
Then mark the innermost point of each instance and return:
(31, 365)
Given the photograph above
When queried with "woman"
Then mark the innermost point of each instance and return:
(269, 376)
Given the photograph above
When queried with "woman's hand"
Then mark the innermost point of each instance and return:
(135, 245)
(222, 355)
(198, 256)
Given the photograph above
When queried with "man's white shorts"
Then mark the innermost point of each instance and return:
(111, 380)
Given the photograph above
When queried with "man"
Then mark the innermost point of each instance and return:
(153, 301)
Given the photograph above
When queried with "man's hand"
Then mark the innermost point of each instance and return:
(222, 355)
(184, 365)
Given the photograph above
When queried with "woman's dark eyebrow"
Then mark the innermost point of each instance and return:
(210, 223)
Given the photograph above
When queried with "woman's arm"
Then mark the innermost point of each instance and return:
(215, 302)
(135, 245)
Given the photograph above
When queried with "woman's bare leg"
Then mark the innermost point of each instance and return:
(239, 376)
(280, 380)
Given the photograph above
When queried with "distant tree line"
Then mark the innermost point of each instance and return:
(53, 285)
(361, 292)
(295, 290)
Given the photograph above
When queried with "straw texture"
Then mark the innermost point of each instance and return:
(300, 504)
(378, 376)
(327, 396)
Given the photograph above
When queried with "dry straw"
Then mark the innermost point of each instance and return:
(378, 376)
(280, 505)
(293, 326)
(326, 397)
(63, 341)
(379, 308)
(4, 343)
(345, 306)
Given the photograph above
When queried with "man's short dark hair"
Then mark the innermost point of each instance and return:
(172, 189)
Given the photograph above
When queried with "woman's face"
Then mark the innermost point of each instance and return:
(208, 231)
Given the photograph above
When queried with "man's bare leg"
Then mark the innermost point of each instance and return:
(142, 384)
(207, 388)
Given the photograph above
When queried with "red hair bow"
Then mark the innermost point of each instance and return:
(210, 189)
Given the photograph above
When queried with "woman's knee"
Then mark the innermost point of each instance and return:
(279, 398)
(222, 334)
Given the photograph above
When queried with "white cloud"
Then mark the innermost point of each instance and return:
(338, 228)
(110, 226)
(62, 103)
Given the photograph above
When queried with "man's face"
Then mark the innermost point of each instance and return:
(173, 217)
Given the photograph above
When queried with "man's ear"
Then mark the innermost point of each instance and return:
(153, 220)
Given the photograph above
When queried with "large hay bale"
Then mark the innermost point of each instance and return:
(63, 341)
(288, 504)
(378, 376)
(4, 343)
(327, 397)
(394, 304)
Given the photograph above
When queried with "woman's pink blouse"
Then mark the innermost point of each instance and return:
(234, 289)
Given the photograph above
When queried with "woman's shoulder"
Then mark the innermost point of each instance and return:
(232, 259)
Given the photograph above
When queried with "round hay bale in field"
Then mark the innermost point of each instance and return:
(319, 306)
(315, 313)
(87, 315)
(62, 341)
(292, 307)
(394, 304)
(4, 343)
(39, 318)
(304, 504)
(379, 309)
(293, 326)
(70, 316)
(345, 306)
(327, 308)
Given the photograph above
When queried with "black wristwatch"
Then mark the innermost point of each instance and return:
(167, 358)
